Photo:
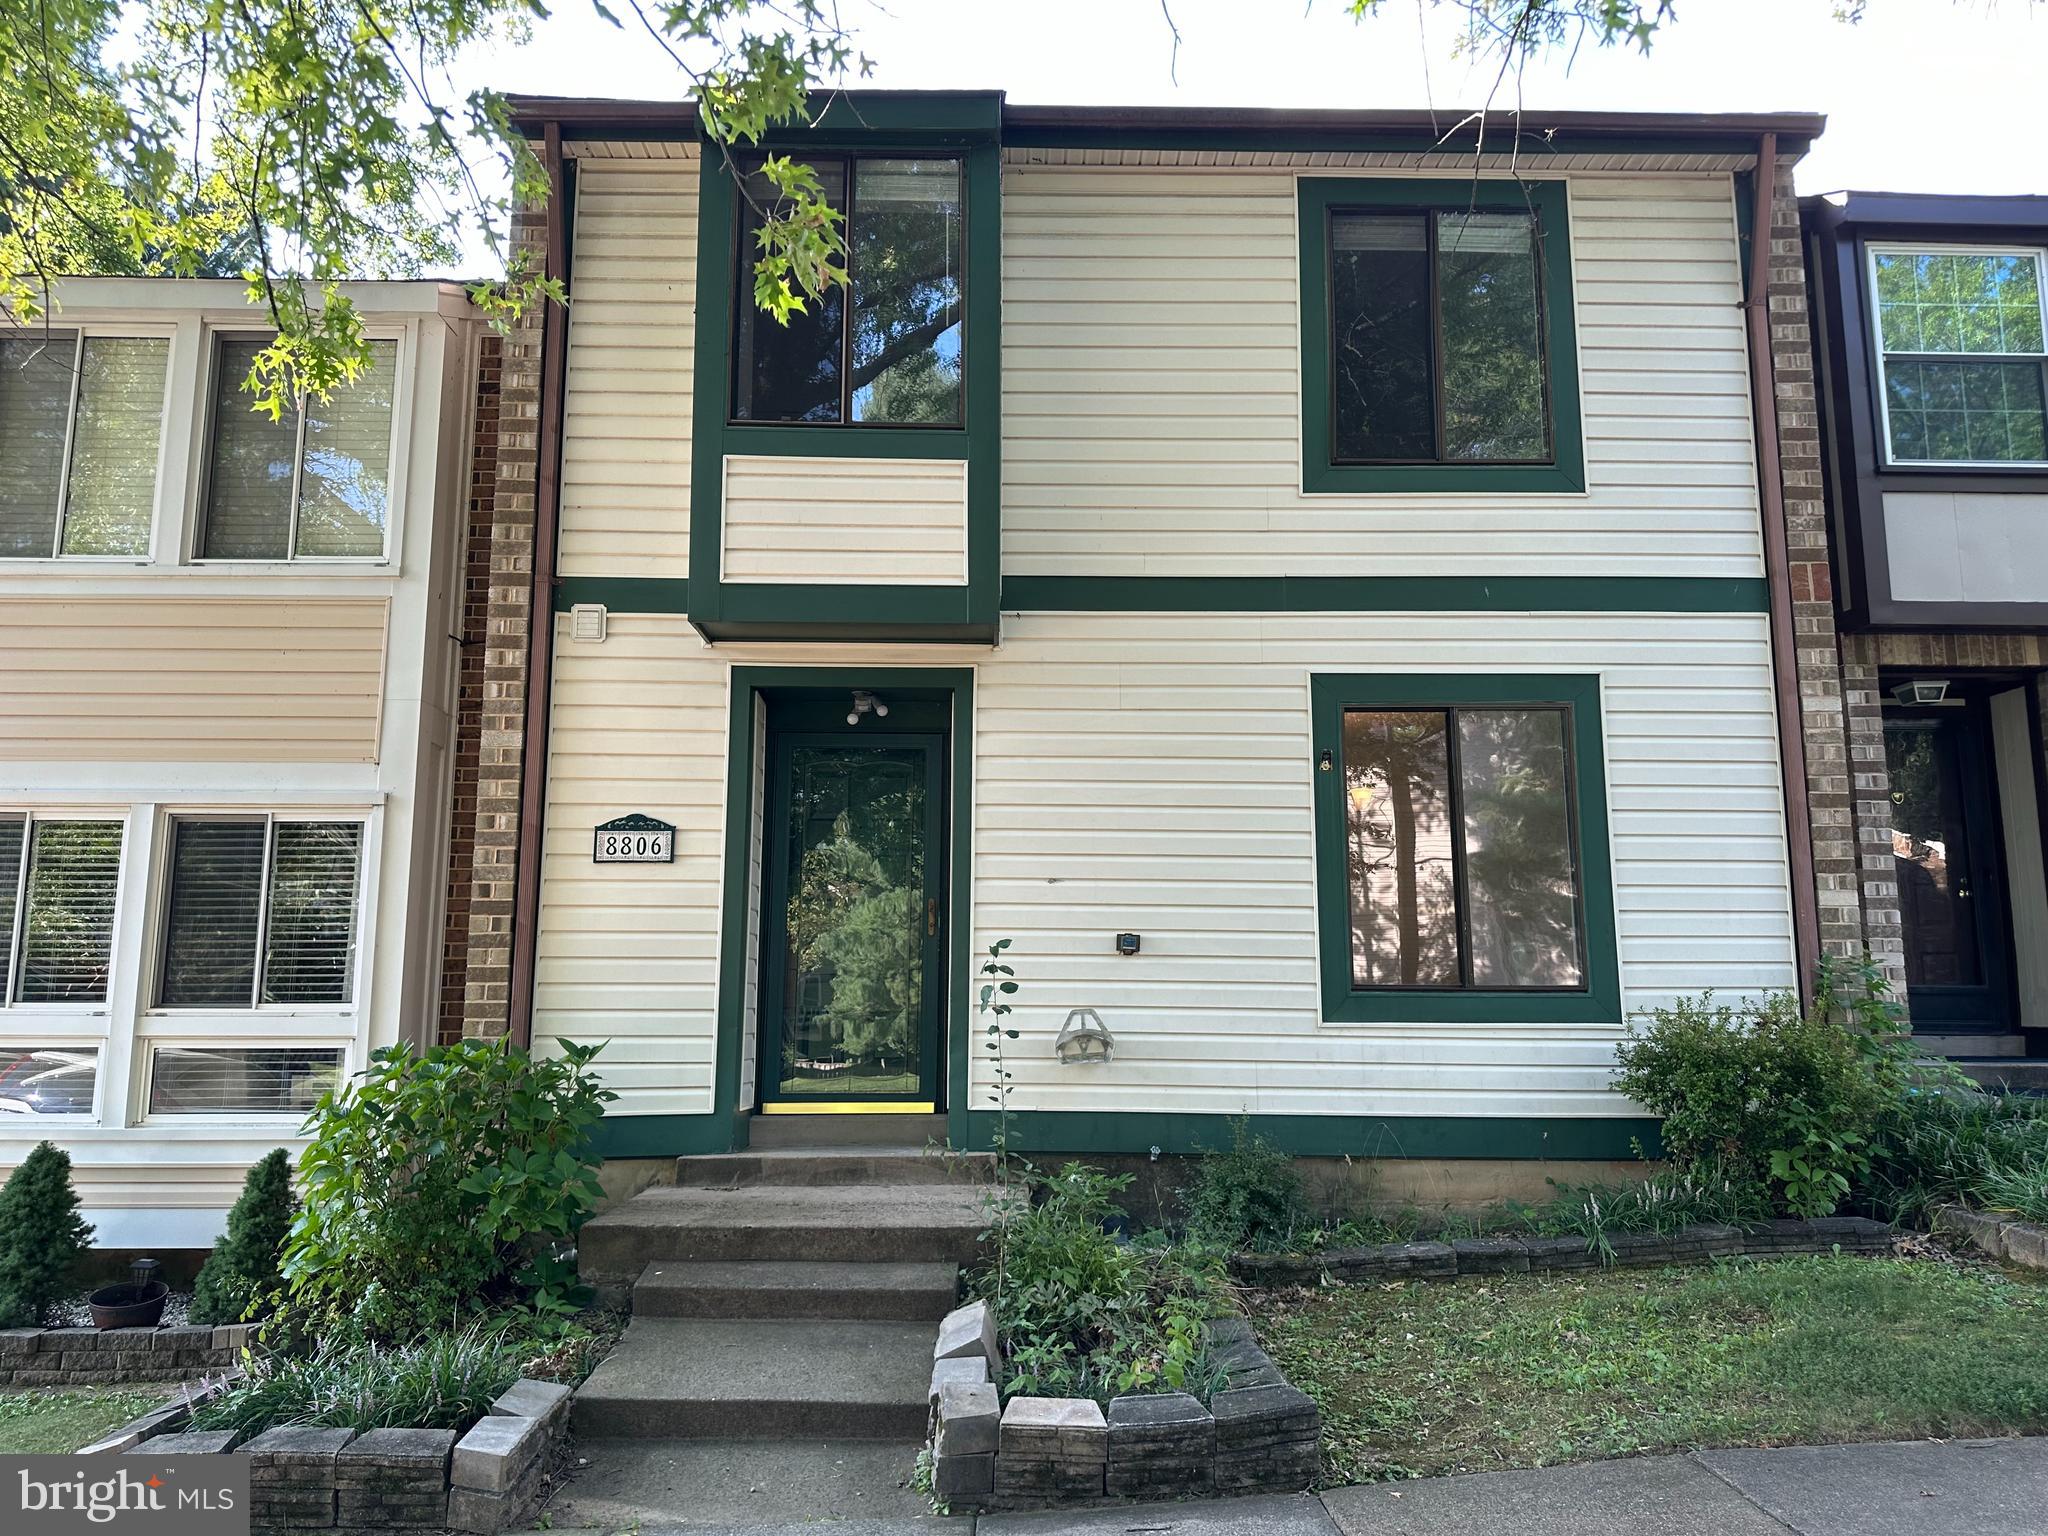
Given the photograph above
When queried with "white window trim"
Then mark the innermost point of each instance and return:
(382, 563)
(260, 1020)
(16, 1017)
(145, 1054)
(1875, 330)
(87, 330)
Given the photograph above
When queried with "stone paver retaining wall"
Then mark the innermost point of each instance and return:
(1522, 1255)
(92, 1357)
(1256, 1434)
(2024, 1243)
(490, 1479)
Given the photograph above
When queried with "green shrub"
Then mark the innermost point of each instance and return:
(1785, 1099)
(446, 1381)
(444, 1183)
(1247, 1196)
(240, 1278)
(1082, 1313)
(42, 1236)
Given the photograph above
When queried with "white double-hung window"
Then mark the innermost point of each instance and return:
(1962, 340)
(81, 429)
(59, 877)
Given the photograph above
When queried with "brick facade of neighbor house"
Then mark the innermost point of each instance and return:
(501, 725)
(475, 607)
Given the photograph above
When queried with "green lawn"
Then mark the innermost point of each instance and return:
(58, 1423)
(1424, 1377)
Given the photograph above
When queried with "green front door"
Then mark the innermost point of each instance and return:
(853, 908)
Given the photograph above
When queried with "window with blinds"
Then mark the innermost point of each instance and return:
(315, 483)
(203, 1080)
(82, 417)
(41, 1080)
(58, 880)
(260, 911)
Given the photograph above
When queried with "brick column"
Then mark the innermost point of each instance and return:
(1883, 925)
(501, 735)
(1828, 796)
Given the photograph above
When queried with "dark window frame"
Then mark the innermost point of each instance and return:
(1597, 998)
(743, 293)
(1317, 199)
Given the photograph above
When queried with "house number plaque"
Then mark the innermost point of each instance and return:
(635, 839)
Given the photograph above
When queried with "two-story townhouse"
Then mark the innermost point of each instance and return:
(1928, 614)
(227, 687)
(1304, 579)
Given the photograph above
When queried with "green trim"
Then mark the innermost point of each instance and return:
(924, 119)
(661, 1135)
(748, 683)
(1317, 196)
(624, 594)
(1386, 594)
(1599, 1002)
(1530, 149)
(767, 611)
(1404, 1136)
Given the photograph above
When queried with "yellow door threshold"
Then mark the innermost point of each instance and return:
(882, 1107)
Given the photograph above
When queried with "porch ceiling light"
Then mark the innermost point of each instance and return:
(865, 703)
(1084, 1039)
(1922, 690)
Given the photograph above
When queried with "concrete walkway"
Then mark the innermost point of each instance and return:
(1916, 1488)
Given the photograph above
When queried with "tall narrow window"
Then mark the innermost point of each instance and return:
(315, 483)
(58, 881)
(81, 421)
(261, 911)
(886, 347)
(1437, 338)
(1964, 353)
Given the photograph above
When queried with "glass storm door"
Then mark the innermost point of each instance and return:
(1951, 884)
(853, 907)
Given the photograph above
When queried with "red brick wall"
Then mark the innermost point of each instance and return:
(476, 591)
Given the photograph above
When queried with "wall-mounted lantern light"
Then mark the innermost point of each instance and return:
(1084, 1039)
(1922, 690)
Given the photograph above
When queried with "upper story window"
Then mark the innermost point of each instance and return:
(1963, 351)
(1436, 340)
(58, 880)
(314, 484)
(886, 347)
(260, 911)
(81, 421)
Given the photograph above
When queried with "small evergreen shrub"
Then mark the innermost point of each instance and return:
(1247, 1196)
(241, 1277)
(42, 1236)
(441, 1184)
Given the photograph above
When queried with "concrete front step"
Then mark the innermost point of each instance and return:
(772, 1132)
(900, 1292)
(699, 1378)
(2014, 1074)
(887, 1223)
(817, 1166)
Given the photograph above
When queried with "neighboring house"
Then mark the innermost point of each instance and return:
(1317, 581)
(227, 682)
(1928, 662)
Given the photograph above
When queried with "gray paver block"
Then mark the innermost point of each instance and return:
(526, 1399)
(496, 1453)
(966, 1370)
(968, 1330)
(196, 1442)
(1070, 1429)
(969, 1416)
(964, 1477)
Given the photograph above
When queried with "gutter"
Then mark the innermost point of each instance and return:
(1756, 309)
(540, 628)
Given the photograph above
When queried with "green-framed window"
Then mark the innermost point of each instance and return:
(1462, 873)
(1438, 351)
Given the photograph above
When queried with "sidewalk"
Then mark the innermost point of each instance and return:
(1914, 1488)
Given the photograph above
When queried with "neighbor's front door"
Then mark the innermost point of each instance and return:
(852, 909)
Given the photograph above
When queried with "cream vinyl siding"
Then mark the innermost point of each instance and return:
(191, 679)
(627, 400)
(629, 953)
(1152, 772)
(1152, 391)
(841, 521)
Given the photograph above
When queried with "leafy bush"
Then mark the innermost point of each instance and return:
(446, 1381)
(240, 1278)
(444, 1183)
(1782, 1098)
(1957, 1143)
(1246, 1197)
(1081, 1313)
(42, 1236)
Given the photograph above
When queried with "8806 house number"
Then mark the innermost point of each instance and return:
(634, 839)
